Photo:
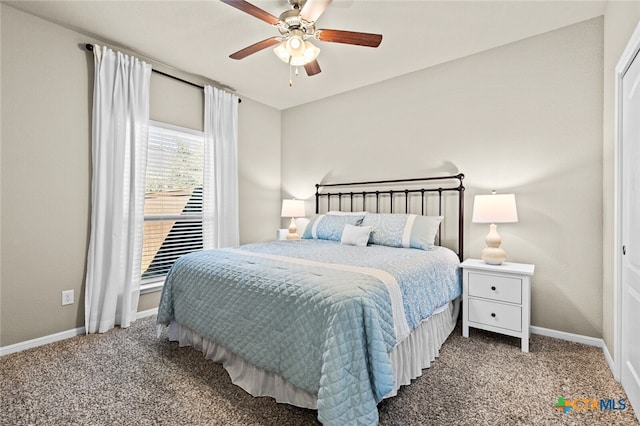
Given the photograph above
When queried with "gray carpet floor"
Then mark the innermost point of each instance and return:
(129, 377)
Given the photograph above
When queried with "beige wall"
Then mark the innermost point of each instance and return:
(534, 107)
(259, 171)
(46, 171)
(46, 167)
(523, 118)
(175, 102)
(621, 19)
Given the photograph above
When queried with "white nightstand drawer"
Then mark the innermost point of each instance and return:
(495, 314)
(495, 287)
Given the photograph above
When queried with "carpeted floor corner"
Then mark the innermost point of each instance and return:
(128, 376)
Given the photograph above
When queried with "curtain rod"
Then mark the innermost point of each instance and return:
(89, 47)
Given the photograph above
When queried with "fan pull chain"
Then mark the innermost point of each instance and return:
(291, 72)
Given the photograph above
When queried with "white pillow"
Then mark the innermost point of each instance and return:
(355, 235)
(301, 224)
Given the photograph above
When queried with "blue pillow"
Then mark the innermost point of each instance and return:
(402, 230)
(329, 227)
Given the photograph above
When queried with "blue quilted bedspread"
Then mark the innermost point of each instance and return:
(293, 308)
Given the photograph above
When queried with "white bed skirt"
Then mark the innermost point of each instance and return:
(408, 358)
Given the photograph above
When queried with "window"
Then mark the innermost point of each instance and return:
(173, 198)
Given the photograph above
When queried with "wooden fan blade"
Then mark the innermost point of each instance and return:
(240, 54)
(312, 68)
(252, 10)
(312, 9)
(349, 37)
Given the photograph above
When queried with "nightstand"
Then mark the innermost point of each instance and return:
(281, 234)
(497, 298)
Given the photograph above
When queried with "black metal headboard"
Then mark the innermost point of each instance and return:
(428, 195)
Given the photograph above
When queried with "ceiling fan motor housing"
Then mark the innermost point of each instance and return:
(290, 20)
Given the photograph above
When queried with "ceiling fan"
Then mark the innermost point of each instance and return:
(296, 26)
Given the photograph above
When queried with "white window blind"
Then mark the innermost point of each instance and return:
(173, 198)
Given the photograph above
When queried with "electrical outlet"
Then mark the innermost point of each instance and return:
(67, 297)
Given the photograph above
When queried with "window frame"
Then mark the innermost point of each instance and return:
(152, 284)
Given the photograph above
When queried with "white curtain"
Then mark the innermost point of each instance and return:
(220, 223)
(119, 155)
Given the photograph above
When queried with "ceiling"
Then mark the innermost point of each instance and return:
(198, 37)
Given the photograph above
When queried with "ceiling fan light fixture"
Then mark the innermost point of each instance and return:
(311, 52)
(281, 52)
(295, 46)
(295, 27)
(302, 56)
(295, 43)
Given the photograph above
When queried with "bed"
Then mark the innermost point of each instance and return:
(340, 319)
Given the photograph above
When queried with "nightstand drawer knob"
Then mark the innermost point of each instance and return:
(493, 288)
(493, 315)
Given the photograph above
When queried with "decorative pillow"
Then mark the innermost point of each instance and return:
(402, 230)
(301, 224)
(355, 235)
(329, 227)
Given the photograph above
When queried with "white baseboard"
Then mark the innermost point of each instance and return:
(609, 359)
(147, 313)
(563, 335)
(34, 343)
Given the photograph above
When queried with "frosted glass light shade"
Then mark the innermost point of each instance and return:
(311, 52)
(281, 52)
(308, 52)
(295, 45)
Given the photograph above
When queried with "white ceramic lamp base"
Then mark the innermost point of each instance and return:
(293, 231)
(493, 254)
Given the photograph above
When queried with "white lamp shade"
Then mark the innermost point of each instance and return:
(292, 208)
(495, 208)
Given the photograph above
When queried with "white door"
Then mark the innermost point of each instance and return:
(630, 203)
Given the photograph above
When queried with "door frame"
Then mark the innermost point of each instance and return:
(628, 55)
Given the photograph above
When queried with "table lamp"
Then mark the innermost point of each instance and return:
(492, 209)
(292, 209)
